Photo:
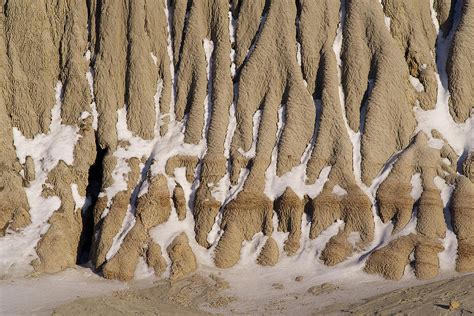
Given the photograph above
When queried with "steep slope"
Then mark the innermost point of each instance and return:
(177, 134)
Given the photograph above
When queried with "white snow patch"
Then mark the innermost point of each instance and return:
(447, 258)
(337, 190)
(416, 186)
(434, 16)
(90, 81)
(256, 124)
(154, 58)
(298, 53)
(415, 82)
(232, 26)
(46, 150)
(458, 135)
(79, 200)
(171, 57)
(127, 225)
(387, 20)
(143, 271)
(157, 98)
(208, 49)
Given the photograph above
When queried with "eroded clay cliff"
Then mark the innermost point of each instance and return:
(173, 133)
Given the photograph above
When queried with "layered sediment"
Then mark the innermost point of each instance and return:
(173, 134)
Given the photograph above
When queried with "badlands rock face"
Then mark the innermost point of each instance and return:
(171, 134)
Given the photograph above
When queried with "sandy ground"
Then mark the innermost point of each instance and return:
(79, 292)
(437, 298)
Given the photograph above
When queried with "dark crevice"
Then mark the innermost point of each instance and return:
(263, 18)
(235, 7)
(128, 57)
(448, 24)
(95, 175)
(317, 99)
(97, 11)
(299, 47)
(5, 7)
(308, 209)
(319, 81)
(183, 33)
(143, 177)
(299, 9)
(190, 96)
(364, 105)
(92, 193)
(89, 20)
(462, 159)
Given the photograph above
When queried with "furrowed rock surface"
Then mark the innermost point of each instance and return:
(463, 218)
(412, 26)
(459, 66)
(375, 75)
(172, 134)
(396, 204)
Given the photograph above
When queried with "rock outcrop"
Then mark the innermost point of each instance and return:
(159, 132)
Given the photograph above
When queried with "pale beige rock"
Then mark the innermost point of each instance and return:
(396, 204)
(205, 210)
(187, 162)
(179, 201)
(273, 58)
(46, 46)
(29, 169)
(269, 254)
(393, 195)
(426, 258)
(13, 200)
(412, 26)
(290, 210)
(122, 265)
(459, 67)
(337, 250)
(468, 167)
(146, 37)
(444, 10)
(249, 20)
(243, 217)
(220, 96)
(281, 83)
(191, 80)
(59, 247)
(110, 226)
(109, 81)
(32, 45)
(71, 19)
(154, 207)
(370, 52)
(183, 260)
(391, 260)
(155, 259)
(21, 218)
(462, 209)
(353, 207)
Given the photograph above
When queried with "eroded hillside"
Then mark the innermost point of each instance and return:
(173, 134)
